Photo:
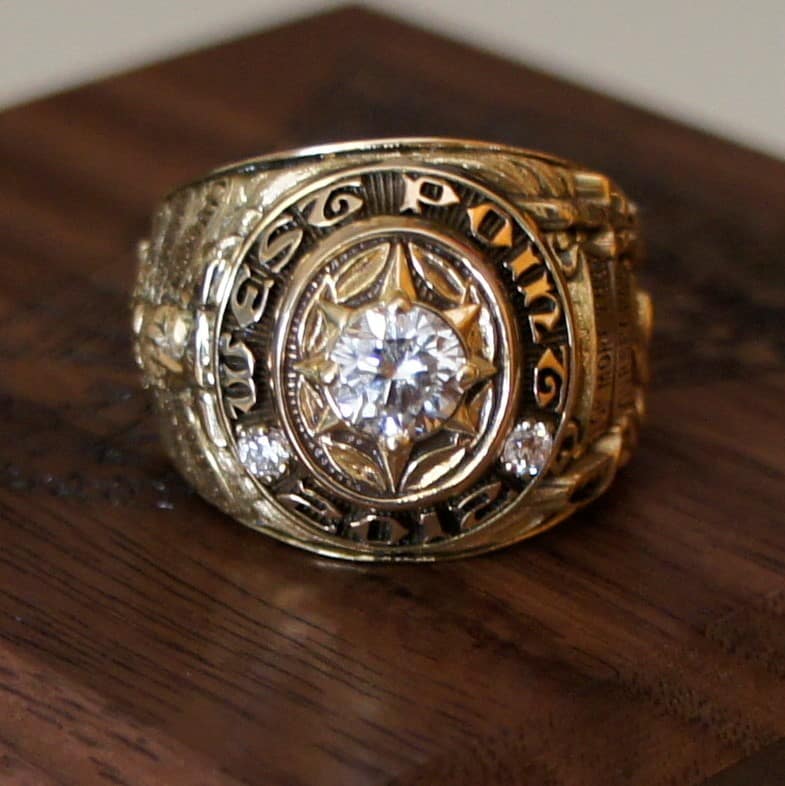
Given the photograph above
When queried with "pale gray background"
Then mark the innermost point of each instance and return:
(719, 64)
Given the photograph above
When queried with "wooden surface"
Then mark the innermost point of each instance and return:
(146, 639)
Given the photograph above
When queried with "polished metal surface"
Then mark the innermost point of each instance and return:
(376, 323)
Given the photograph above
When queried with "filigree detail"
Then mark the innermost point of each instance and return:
(357, 465)
(431, 467)
(311, 405)
(359, 276)
(521, 258)
(443, 281)
(332, 204)
(387, 279)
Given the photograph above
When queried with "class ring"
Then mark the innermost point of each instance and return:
(398, 349)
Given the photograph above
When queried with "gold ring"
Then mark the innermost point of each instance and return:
(400, 349)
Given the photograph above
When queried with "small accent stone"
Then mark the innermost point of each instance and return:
(265, 452)
(527, 448)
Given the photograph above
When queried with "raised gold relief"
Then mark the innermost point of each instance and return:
(237, 382)
(249, 297)
(424, 190)
(426, 430)
(384, 320)
(383, 278)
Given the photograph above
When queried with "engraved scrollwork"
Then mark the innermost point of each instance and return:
(474, 508)
(442, 280)
(431, 467)
(544, 304)
(385, 278)
(311, 405)
(358, 277)
(350, 262)
(237, 367)
(549, 379)
(332, 204)
(353, 462)
(278, 243)
(249, 297)
(518, 264)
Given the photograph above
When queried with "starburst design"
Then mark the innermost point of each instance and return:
(395, 370)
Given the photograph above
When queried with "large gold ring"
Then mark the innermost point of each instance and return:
(400, 349)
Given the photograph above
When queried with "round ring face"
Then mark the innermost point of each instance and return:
(393, 357)
(389, 362)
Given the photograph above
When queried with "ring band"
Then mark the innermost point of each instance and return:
(395, 349)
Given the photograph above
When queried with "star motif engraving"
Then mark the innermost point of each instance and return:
(395, 370)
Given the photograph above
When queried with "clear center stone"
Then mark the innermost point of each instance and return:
(397, 371)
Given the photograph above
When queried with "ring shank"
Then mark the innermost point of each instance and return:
(583, 221)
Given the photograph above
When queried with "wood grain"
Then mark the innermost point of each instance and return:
(146, 639)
